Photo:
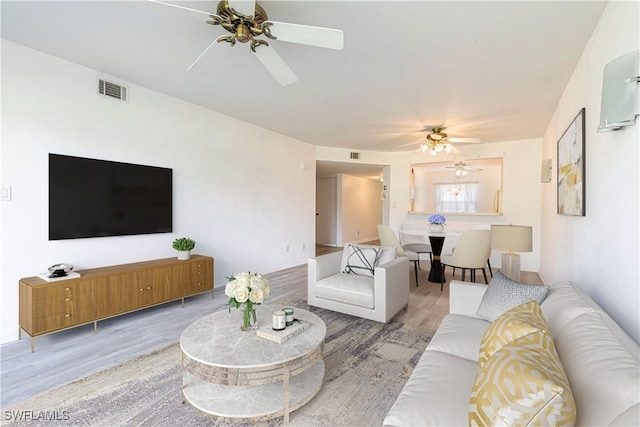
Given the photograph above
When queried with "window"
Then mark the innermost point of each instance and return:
(456, 197)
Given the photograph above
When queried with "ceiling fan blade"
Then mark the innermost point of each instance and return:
(465, 140)
(243, 7)
(188, 9)
(305, 34)
(275, 65)
(410, 143)
(199, 66)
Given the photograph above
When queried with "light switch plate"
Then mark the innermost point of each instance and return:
(5, 194)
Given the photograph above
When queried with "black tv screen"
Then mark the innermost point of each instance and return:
(97, 198)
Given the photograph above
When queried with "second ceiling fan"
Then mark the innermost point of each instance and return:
(246, 20)
(461, 168)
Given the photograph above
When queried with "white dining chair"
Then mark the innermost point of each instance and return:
(486, 227)
(472, 252)
(421, 239)
(388, 238)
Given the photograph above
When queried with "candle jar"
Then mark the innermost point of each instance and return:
(288, 312)
(278, 320)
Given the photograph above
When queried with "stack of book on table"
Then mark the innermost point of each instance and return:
(267, 332)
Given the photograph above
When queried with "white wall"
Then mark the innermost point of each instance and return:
(238, 189)
(599, 251)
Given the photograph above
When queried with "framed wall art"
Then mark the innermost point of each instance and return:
(571, 168)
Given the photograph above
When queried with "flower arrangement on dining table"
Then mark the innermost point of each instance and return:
(246, 290)
(437, 219)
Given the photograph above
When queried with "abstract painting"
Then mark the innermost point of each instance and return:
(571, 168)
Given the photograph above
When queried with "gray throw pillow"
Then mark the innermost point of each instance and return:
(504, 294)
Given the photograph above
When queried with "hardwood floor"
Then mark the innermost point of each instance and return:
(67, 356)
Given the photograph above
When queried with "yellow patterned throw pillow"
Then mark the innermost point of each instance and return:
(516, 323)
(522, 384)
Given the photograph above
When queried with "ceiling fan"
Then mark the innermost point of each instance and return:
(463, 168)
(438, 141)
(246, 20)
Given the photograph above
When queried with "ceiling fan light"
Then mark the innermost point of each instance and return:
(464, 172)
(439, 147)
(424, 147)
(433, 152)
(458, 172)
(448, 148)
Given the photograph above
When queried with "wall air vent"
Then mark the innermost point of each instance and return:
(112, 90)
(354, 155)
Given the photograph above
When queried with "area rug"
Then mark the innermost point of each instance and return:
(366, 366)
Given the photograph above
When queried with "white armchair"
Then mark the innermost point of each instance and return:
(376, 298)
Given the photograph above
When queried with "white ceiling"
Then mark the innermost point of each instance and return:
(493, 70)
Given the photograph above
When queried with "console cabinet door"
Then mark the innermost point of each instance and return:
(119, 293)
(181, 277)
(157, 286)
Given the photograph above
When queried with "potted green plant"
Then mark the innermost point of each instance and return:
(184, 245)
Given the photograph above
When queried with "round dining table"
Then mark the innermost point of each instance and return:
(436, 240)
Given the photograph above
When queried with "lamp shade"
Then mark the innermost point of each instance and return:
(512, 238)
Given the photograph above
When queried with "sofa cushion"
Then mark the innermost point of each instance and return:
(563, 303)
(436, 394)
(504, 293)
(523, 383)
(363, 259)
(347, 288)
(516, 323)
(603, 370)
(460, 336)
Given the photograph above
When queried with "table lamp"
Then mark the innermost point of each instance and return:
(511, 238)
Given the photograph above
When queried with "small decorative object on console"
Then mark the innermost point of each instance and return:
(184, 245)
(246, 290)
(60, 270)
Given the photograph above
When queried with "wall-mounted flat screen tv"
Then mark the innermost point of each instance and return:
(97, 198)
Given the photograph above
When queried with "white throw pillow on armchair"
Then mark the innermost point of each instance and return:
(363, 259)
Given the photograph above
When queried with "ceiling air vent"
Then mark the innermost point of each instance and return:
(112, 90)
(354, 155)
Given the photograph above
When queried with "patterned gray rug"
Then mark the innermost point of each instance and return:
(366, 366)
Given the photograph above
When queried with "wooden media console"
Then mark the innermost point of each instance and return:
(100, 293)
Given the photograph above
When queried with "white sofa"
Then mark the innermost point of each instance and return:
(376, 298)
(599, 359)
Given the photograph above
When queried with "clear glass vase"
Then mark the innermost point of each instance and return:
(249, 318)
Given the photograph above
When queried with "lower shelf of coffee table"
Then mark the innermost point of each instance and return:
(252, 402)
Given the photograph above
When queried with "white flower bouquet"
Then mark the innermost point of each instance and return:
(246, 290)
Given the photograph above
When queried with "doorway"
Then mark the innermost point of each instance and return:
(326, 211)
(351, 200)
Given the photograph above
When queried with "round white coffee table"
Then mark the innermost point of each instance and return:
(237, 375)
